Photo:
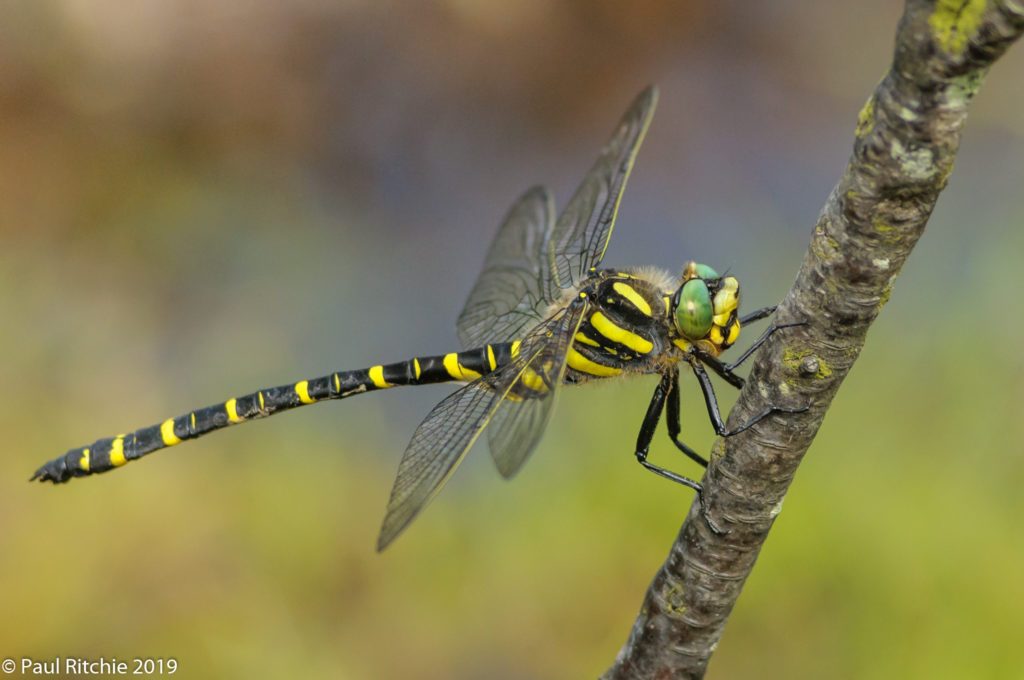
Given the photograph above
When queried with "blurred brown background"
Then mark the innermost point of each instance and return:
(201, 199)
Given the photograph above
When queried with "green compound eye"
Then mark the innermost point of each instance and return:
(704, 271)
(694, 313)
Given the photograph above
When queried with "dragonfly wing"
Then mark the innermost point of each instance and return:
(581, 234)
(438, 445)
(533, 257)
(531, 260)
(517, 398)
(520, 419)
(509, 296)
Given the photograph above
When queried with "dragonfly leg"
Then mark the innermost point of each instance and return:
(672, 417)
(666, 389)
(643, 440)
(716, 415)
(768, 332)
(685, 481)
(724, 372)
(757, 315)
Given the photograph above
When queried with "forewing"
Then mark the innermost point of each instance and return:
(450, 429)
(510, 294)
(520, 419)
(581, 234)
(438, 445)
(528, 264)
(533, 257)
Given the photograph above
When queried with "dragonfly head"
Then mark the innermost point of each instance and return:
(704, 308)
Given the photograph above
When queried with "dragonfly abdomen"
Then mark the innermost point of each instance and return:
(113, 452)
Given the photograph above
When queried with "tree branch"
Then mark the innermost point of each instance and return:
(906, 140)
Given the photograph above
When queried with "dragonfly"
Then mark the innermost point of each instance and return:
(542, 314)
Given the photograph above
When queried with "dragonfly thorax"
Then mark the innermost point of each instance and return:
(703, 308)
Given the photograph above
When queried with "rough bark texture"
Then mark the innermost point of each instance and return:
(905, 143)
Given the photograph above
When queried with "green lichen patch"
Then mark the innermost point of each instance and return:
(955, 22)
(866, 117)
(917, 164)
(793, 357)
(887, 293)
(961, 89)
(675, 599)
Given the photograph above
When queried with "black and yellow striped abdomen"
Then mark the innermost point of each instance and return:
(112, 452)
(625, 329)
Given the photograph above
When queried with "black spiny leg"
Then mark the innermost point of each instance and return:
(768, 332)
(643, 440)
(666, 389)
(672, 419)
(757, 315)
(725, 371)
(712, 403)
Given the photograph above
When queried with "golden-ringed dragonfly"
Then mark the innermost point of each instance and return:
(540, 315)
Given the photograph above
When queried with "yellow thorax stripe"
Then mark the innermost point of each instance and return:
(629, 292)
(584, 365)
(603, 325)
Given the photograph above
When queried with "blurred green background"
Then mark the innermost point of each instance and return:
(201, 199)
